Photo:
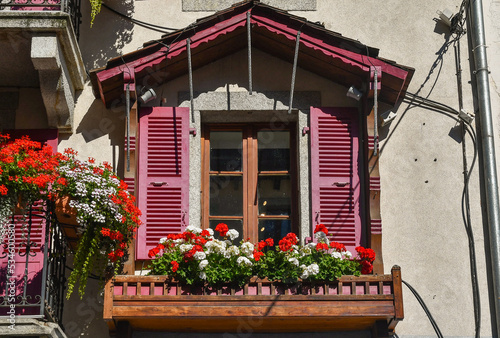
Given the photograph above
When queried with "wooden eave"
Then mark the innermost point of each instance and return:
(274, 31)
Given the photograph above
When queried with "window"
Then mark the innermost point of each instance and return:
(249, 177)
(249, 180)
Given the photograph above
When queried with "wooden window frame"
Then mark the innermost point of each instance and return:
(250, 176)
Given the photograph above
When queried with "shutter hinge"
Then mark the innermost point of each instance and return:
(305, 131)
(192, 131)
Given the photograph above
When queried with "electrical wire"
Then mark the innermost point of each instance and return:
(426, 310)
(157, 28)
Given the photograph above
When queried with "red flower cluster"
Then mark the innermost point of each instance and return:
(222, 229)
(322, 228)
(257, 253)
(189, 238)
(367, 256)
(115, 255)
(175, 266)
(113, 234)
(338, 246)
(27, 166)
(322, 247)
(286, 243)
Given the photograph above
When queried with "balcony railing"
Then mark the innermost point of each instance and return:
(32, 266)
(351, 303)
(72, 7)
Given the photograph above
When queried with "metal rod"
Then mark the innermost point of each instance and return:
(47, 243)
(249, 38)
(190, 67)
(294, 71)
(476, 35)
(375, 113)
(127, 96)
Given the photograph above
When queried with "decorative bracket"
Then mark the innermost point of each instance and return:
(305, 131)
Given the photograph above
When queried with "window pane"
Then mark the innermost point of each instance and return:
(274, 228)
(236, 224)
(226, 195)
(226, 150)
(274, 195)
(274, 150)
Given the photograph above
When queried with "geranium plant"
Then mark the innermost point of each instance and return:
(105, 211)
(197, 257)
(106, 214)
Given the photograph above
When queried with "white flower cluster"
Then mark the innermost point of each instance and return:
(243, 261)
(233, 234)
(307, 271)
(247, 249)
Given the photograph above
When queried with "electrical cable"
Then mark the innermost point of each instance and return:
(426, 310)
(157, 28)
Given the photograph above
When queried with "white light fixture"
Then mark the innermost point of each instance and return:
(147, 96)
(354, 93)
(446, 15)
(387, 117)
(466, 117)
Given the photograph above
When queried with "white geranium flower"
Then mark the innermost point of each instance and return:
(163, 239)
(305, 251)
(294, 261)
(243, 261)
(193, 229)
(247, 249)
(313, 269)
(233, 250)
(210, 231)
(320, 235)
(347, 254)
(185, 247)
(203, 275)
(337, 255)
(233, 234)
(199, 255)
(203, 264)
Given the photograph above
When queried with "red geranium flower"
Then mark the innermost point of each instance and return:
(222, 229)
(175, 266)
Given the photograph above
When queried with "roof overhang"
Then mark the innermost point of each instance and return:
(273, 31)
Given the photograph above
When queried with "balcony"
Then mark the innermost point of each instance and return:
(155, 303)
(42, 68)
(32, 282)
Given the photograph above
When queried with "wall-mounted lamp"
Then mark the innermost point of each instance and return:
(354, 93)
(446, 15)
(387, 117)
(147, 96)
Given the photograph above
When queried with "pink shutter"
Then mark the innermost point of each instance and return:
(335, 180)
(163, 175)
(36, 235)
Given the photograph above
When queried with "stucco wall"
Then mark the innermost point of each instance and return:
(420, 162)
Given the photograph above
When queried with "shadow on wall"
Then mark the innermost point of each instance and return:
(108, 35)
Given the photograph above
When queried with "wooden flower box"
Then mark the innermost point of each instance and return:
(156, 303)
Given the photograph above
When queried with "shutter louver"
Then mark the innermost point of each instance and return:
(163, 175)
(334, 173)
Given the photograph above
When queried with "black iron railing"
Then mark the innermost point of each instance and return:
(32, 266)
(72, 7)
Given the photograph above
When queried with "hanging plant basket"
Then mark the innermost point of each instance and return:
(66, 215)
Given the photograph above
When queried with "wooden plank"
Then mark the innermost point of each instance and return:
(385, 311)
(398, 294)
(241, 324)
(107, 313)
(255, 298)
